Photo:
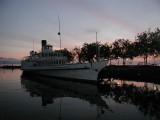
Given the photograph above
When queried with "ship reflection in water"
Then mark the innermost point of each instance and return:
(112, 99)
(50, 90)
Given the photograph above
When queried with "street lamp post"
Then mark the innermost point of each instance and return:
(127, 61)
(118, 61)
(4, 61)
(155, 60)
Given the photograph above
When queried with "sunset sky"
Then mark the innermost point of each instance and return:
(25, 21)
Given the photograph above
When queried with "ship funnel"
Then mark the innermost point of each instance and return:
(44, 43)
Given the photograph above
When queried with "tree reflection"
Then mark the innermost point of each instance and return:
(144, 98)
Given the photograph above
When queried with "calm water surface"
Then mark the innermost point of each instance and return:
(41, 98)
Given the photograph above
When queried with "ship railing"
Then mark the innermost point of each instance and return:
(28, 58)
(25, 58)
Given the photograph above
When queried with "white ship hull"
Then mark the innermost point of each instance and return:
(84, 71)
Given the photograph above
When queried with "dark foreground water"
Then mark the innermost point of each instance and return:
(41, 98)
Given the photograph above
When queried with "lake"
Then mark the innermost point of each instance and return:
(43, 98)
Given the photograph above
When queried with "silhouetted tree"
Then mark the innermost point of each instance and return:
(111, 53)
(154, 37)
(89, 51)
(132, 51)
(121, 49)
(143, 45)
(78, 53)
(146, 44)
(66, 53)
(105, 51)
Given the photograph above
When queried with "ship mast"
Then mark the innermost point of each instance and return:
(59, 33)
(97, 50)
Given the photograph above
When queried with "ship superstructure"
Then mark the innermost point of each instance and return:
(53, 63)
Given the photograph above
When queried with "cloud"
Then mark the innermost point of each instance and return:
(101, 15)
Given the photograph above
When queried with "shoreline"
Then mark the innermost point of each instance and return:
(11, 67)
(136, 73)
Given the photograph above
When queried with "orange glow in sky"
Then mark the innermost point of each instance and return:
(23, 21)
